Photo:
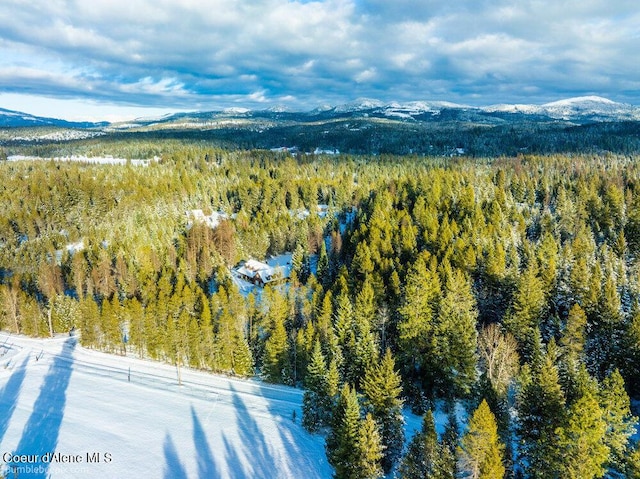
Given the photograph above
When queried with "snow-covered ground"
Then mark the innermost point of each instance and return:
(57, 397)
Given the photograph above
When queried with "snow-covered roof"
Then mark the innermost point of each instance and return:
(276, 268)
(255, 269)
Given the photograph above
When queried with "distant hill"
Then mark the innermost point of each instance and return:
(10, 118)
(581, 110)
(583, 124)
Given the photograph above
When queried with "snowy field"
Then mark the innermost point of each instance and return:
(107, 416)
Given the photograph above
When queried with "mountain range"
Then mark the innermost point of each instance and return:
(580, 110)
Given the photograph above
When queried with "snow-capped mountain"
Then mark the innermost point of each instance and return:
(361, 104)
(587, 109)
(592, 108)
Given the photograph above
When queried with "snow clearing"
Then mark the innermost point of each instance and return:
(69, 412)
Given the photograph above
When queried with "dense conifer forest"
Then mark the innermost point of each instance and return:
(508, 286)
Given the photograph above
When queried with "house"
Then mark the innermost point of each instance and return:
(261, 274)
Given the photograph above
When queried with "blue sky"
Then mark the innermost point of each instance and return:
(115, 59)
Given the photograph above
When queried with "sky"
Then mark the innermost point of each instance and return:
(117, 59)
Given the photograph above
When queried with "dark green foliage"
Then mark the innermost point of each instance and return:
(581, 437)
(620, 424)
(541, 412)
(426, 457)
(525, 315)
(317, 403)
(455, 338)
(381, 388)
(342, 441)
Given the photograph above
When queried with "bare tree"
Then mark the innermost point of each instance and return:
(498, 357)
(50, 284)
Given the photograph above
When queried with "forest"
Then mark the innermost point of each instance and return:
(508, 287)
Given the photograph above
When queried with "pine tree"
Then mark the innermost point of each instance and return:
(416, 326)
(275, 349)
(426, 457)
(369, 450)
(342, 441)
(620, 423)
(606, 338)
(316, 403)
(345, 331)
(631, 367)
(581, 438)
(275, 361)
(242, 359)
(134, 313)
(381, 386)
(573, 336)
(364, 315)
(89, 322)
(541, 411)
(523, 318)
(333, 379)
(633, 462)
(322, 269)
(480, 448)
(455, 337)
(206, 332)
(451, 437)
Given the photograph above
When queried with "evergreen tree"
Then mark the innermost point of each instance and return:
(206, 331)
(631, 367)
(342, 441)
(426, 457)
(451, 437)
(523, 318)
(275, 361)
(541, 411)
(382, 389)
(416, 326)
(89, 320)
(606, 339)
(364, 315)
(275, 349)
(456, 338)
(322, 269)
(581, 438)
(633, 462)
(242, 360)
(616, 412)
(481, 451)
(316, 403)
(573, 336)
(347, 340)
(369, 450)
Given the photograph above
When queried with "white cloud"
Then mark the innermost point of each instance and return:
(182, 53)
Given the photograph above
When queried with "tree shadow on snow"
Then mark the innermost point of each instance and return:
(301, 446)
(257, 455)
(206, 463)
(9, 395)
(40, 434)
(173, 467)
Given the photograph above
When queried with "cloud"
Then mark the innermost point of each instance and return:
(181, 54)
